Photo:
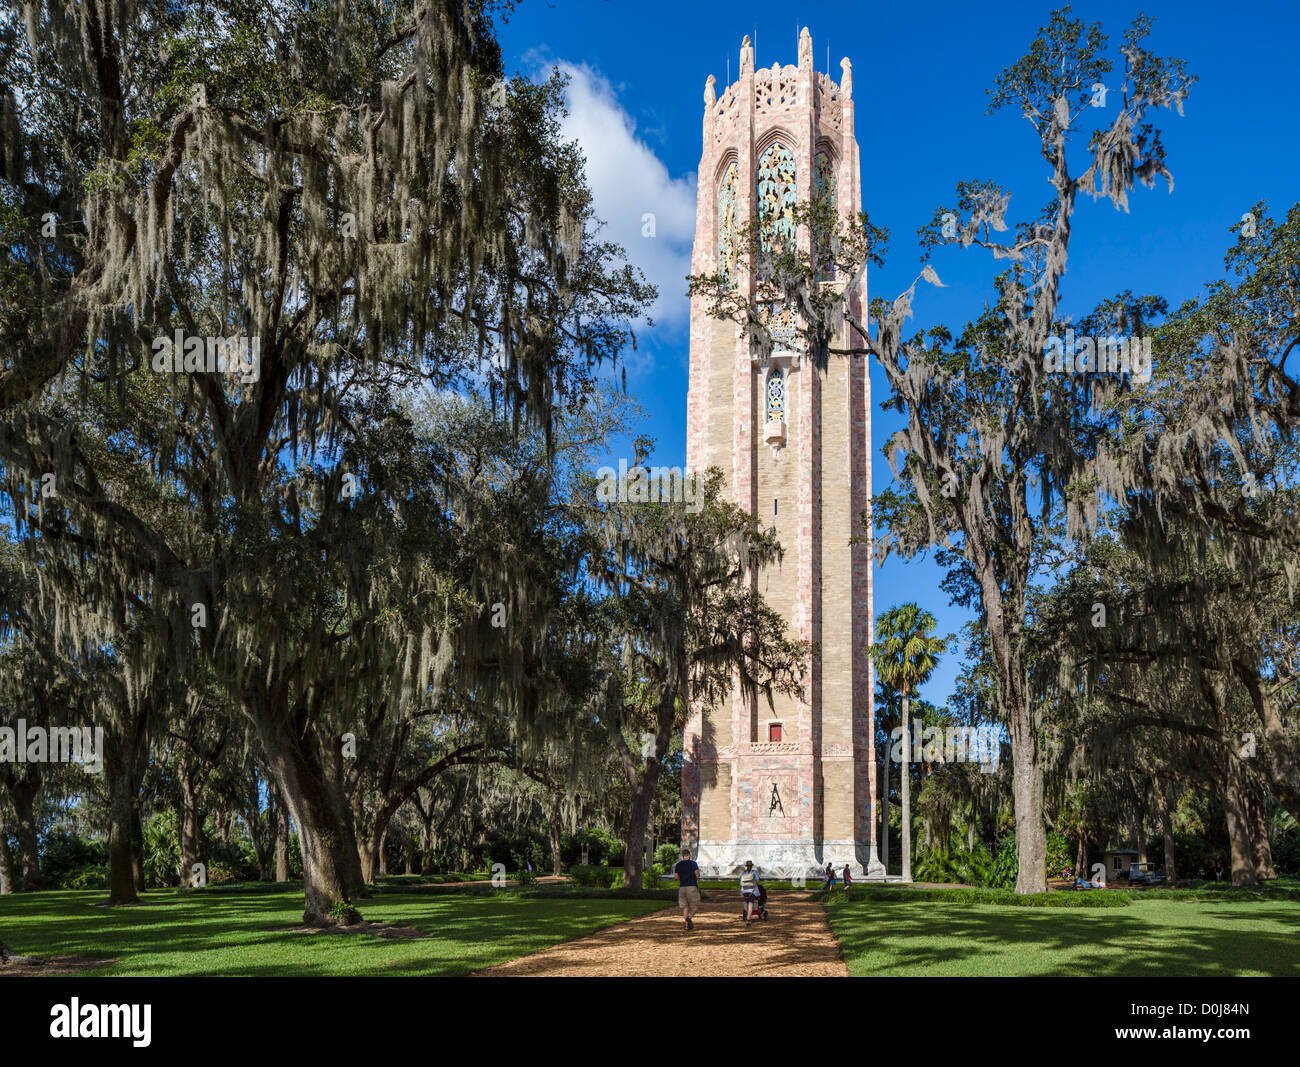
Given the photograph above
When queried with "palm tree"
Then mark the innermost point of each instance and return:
(905, 653)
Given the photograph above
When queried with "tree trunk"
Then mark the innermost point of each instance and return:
(557, 864)
(1281, 762)
(1027, 798)
(335, 790)
(191, 836)
(1257, 825)
(137, 843)
(906, 795)
(23, 792)
(329, 852)
(1080, 859)
(281, 839)
(1166, 831)
(7, 880)
(884, 814)
(265, 849)
(408, 854)
(642, 799)
(383, 853)
(121, 808)
(369, 858)
(1243, 853)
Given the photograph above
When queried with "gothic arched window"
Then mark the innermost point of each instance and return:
(824, 193)
(776, 199)
(728, 196)
(775, 396)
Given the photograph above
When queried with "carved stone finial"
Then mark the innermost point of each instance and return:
(805, 49)
(846, 79)
(746, 57)
(710, 94)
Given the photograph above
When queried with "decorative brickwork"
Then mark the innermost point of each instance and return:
(800, 459)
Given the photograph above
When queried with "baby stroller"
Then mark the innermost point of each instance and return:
(760, 911)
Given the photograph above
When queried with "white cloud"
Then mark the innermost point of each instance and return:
(628, 181)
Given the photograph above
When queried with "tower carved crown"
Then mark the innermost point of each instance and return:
(777, 137)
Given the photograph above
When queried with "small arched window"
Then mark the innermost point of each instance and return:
(775, 396)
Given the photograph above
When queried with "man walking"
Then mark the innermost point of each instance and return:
(688, 886)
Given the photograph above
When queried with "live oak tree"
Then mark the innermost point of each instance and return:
(1156, 688)
(679, 625)
(1207, 468)
(368, 219)
(991, 443)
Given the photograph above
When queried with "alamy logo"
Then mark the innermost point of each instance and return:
(1100, 355)
(956, 744)
(236, 354)
(75, 1019)
(649, 485)
(57, 744)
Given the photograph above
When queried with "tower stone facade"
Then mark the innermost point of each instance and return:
(789, 785)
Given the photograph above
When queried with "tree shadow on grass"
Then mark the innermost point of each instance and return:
(202, 932)
(1185, 940)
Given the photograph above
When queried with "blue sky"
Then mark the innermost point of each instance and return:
(920, 75)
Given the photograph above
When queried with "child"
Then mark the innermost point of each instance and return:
(848, 876)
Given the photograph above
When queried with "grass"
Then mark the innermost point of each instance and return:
(1202, 930)
(1206, 931)
(228, 930)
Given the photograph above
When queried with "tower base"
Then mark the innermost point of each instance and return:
(795, 858)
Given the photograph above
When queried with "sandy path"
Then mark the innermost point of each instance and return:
(795, 942)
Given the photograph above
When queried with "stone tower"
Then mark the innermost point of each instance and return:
(790, 786)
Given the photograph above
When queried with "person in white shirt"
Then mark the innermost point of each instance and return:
(749, 889)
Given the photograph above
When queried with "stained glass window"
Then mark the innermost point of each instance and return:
(776, 199)
(727, 204)
(783, 324)
(824, 191)
(775, 396)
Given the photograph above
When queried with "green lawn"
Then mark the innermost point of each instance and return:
(1216, 935)
(227, 930)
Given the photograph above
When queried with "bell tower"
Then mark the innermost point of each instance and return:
(791, 786)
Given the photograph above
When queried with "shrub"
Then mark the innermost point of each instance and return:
(1194, 856)
(1286, 851)
(1002, 872)
(960, 865)
(667, 855)
(601, 847)
(237, 856)
(1058, 854)
(343, 912)
(162, 850)
(64, 852)
(92, 876)
(592, 875)
(650, 876)
(219, 873)
(525, 877)
(878, 894)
